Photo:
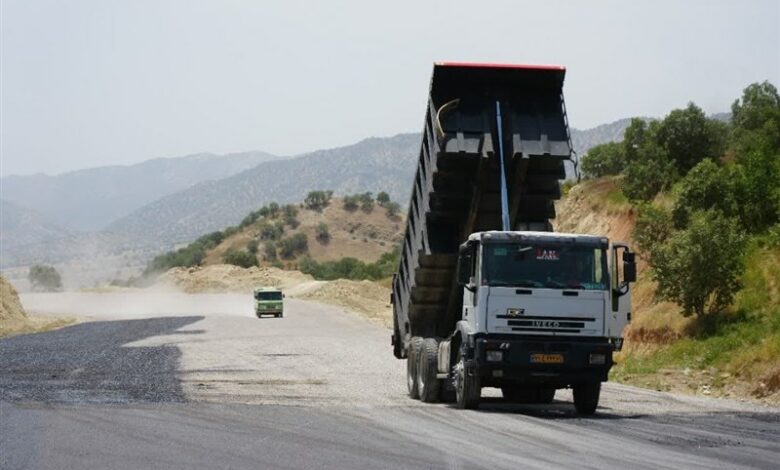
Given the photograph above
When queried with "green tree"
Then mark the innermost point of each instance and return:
(318, 200)
(699, 267)
(706, 186)
(650, 173)
(653, 227)
(604, 159)
(44, 278)
(689, 137)
(273, 210)
(240, 258)
(382, 198)
(755, 118)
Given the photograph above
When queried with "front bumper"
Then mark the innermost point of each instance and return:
(517, 365)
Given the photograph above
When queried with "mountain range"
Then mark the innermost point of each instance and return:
(131, 213)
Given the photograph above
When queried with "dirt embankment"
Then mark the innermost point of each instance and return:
(12, 315)
(366, 298)
(13, 318)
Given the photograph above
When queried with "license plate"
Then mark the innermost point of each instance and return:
(547, 358)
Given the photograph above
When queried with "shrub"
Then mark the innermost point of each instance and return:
(352, 268)
(322, 234)
(252, 246)
(366, 202)
(291, 221)
(699, 267)
(44, 278)
(290, 210)
(269, 231)
(392, 209)
(270, 251)
(351, 203)
(291, 246)
(240, 258)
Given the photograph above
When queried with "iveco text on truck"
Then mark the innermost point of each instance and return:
(486, 295)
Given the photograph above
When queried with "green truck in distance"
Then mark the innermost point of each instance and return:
(269, 301)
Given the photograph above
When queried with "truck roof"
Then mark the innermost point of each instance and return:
(267, 289)
(498, 235)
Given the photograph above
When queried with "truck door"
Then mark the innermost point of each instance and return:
(622, 273)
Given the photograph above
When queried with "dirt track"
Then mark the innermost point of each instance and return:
(195, 381)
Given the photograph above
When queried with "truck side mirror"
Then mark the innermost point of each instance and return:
(472, 284)
(629, 267)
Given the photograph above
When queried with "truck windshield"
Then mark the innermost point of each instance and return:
(549, 266)
(268, 296)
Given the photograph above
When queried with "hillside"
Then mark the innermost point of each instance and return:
(88, 200)
(370, 164)
(22, 226)
(357, 234)
(737, 356)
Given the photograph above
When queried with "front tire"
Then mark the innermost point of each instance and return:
(427, 368)
(586, 397)
(411, 366)
(467, 384)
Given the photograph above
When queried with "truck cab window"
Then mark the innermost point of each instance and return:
(544, 266)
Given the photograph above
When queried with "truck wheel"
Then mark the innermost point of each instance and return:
(586, 397)
(411, 366)
(427, 368)
(545, 395)
(467, 386)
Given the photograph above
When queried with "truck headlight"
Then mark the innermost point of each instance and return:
(598, 359)
(494, 356)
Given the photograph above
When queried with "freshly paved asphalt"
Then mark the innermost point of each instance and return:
(177, 381)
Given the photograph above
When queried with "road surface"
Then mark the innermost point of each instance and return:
(195, 381)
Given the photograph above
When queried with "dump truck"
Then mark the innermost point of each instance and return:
(486, 294)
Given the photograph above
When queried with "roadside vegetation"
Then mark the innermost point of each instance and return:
(272, 236)
(706, 195)
(44, 278)
(351, 268)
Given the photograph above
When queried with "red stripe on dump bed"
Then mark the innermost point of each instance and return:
(501, 66)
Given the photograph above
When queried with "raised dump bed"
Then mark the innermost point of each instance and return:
(457, 187)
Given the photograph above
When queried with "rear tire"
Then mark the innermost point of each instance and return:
(427, 368)
(411, 367)
(467, 384)
(586, 397)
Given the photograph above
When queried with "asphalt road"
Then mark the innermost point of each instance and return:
(178, 381)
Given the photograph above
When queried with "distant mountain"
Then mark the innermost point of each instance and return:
(88, 200)
(584, 140)
(21, 226)
(374, 164)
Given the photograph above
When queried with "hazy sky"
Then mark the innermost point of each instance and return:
(90, 83)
